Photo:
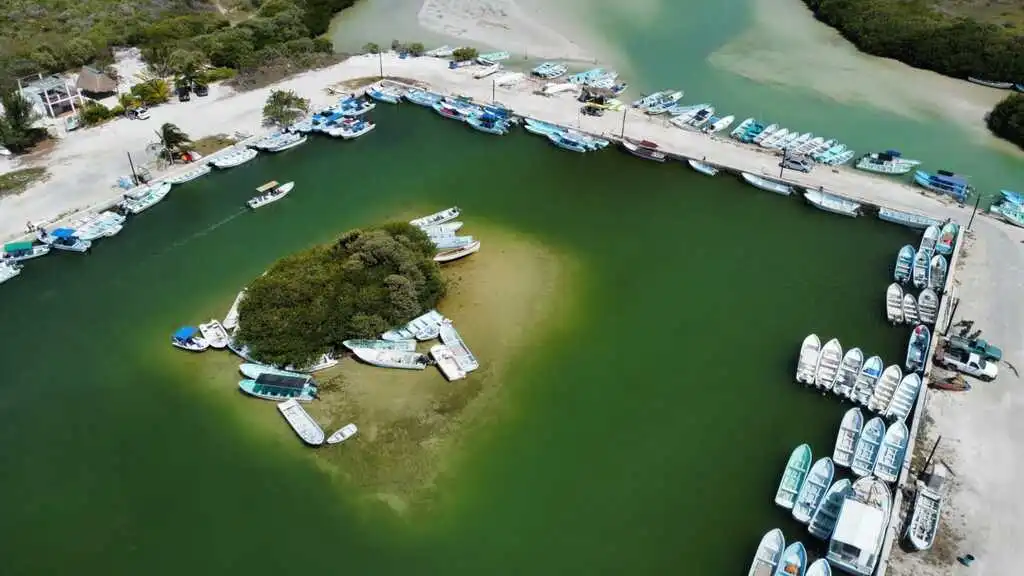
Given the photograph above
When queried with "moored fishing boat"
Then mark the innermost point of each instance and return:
(322, 362)
(894, 303)
(385, 95)
(793, 561)
(63, 239)
(763, 134)
(904, 264)
(446, 229)
(145, 197)
(846, 439)
(186, 338)
(344, 433)
(451, 338)
(885, 388)
(819, 567)
(824, 520)
(813, 489)
(663, 103)
(917, 348)
(426, 326)
(797, 466)
(231, 319)
(908, 219)
(888, 162)
(718, 124)
(276, 385)
(807, 362)
(904, 398)
(924, 521)
(927, 306)
(811, 145)
(827, 370)
(947, 238)
(567, 143)
(351, 129)
(929, 239)
(21, 251)
(860, 529)
(921, 273)
(402, 345)
(893, 452)
(355, 106)
(774, 138)
(232, 158)
(457, 253)
(849, 368)
(286, 141)
(189, 175)
(702, 167)
(301, 422)
(865, 453)
(644, 149)
(422, 97)
(446, 362)
(270, 192)
(832, 203)
(911, 314)
(442, 217)
(944, 183)
(866, 380)
(937, 273)
(104, 224)
(392, 358)
(990, 83)
(769, 551)
(9, 270)
(214, 333)
(767, 185)
(738, 131)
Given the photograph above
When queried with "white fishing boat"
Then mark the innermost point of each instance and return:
(455, 254)
(774, 138)
(300, 421)
(269, 193)
(400, 345)
(910, 312)
(234, 157)
(451, 338)
(446, 215)
(720, 124)
(885, 388)
(145, 197)
(102, 225)
(189, 175)
(924, 522)
(769, 551)
(865, 453)
(904, 398)
(828, 364)
(509, 79)
(892, 453)
(928, 240)
(819, 567)
(344, 433)
(558, 87)
(442, 52)
(807, 361)
(742, 128)
(849, 369)
(63, 239)
(810, 146)
(286, 142)
(768, 131)
(8, 270)
(846, 440)
(860, 529)
(351, 130)
(813, 489)
(702, 167)
(799, 142)
(21, 251)
(927, 306)
(486, 71)
(322, 362)
(392, 358)
(937, 273)
(214, 333)
(832, 203)
(823, 147)
(186, 338)
(824, 520)
(894, 303)
(231, 319)
(424, 327)
(767, 185)
(921, 273)
(451, 242)
(446, 362)
(866, 380)
(446, 229)
(797, 466)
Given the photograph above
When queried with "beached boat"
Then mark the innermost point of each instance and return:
(990, 83)
(456, 253)
(351, 130)
(300, 421)
(865, 453)
(9, 270)
(231, 319)
(797, 466)
(827, 370)
(487, 70)
(850, 367)
(947, 238)
(832, 203)
(894, 303)
(21, 251)
(924, 521)
(275, 385)
(102, 225)
(445, 359)
(807, 362)
(186, 338)
(63, 239)
(270, 192)
(893, 452)
(927, 306)
(442, 217)
(702, 167)
(937, 273)
(904, 398)
(644, 149)
(866, 380)
(917, 348)
(189, 175)
(322, 362)
(441, 52)
(253, 370)
(550, 70)
(508, 79)
(451, 338)
(402, 345)
(846, 440)
(145, 197)
(764, 134)
(813, 489)
(392, 358)
(904, 264)
(911, 315)
(769, 551)
(446, 229)
(344, 433)
(921, 272)
(426, 326)
(819, 567)
(235, 157)
(908, 219)
(889, 162)
(860, 529)
(824, 520)
(214, 333)
(885, 388)
(793, 561)
(767, 185)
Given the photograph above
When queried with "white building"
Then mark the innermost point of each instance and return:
(51, 96)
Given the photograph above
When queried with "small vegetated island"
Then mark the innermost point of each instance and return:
(981, 39)
(359, 286)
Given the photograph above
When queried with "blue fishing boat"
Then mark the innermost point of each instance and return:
(944, 183)
(893, 452)
(488, 123)
(567, 143)
(793, 476)
(550, 70)
(740, 130)
(493, 57)
(917, 348)
(422, 97)
(64, 239)
(586, 77)
(383, 95)
(186, 338)
(908, 219)
(542, 128)
(793, 561)
(904, 264)
(1013, 197)
(356, 106)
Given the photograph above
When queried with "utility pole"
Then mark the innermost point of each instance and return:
(380, 62)
(624, 111)
(494, 83)
(977, 200)
(782, 165)
(929, 460)
(135, 177)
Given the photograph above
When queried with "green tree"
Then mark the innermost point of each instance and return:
(416, 48)
(284, 108)
(17, 128)
(95, 113)
(371, 48)
(127, 100)
(186, 63)
(153, 92)
(1006, 120)
(173, 139)
(465, 53)
(157, 57)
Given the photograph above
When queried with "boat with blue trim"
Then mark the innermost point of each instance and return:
(944, 182)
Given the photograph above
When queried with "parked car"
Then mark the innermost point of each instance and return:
(140, 113)
(200, 89)
(184, 94)
(798, 163)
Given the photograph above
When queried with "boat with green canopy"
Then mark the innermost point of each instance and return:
(18, 251)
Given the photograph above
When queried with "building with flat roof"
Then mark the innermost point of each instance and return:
(51, 96)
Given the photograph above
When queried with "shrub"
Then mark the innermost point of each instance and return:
(465, 53)
(95, 113)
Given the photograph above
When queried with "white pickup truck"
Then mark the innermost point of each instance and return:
(969, 363)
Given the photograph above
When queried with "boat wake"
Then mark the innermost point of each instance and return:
(202, 232)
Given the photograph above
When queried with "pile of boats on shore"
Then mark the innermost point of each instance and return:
(442, 230)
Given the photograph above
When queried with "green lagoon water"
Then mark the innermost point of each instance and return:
(648, 432)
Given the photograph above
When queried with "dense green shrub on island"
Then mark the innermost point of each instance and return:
(357, 287)
(1006, 120)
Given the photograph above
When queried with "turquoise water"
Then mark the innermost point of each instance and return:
(648, 432)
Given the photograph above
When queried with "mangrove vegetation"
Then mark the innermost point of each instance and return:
(1006, 120)
(356, 287)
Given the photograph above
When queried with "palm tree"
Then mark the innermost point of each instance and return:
(173, 139)
(283, 108)
(127, 100)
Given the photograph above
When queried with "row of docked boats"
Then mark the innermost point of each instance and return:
(441, 228)
(344, 118)
(926, 266)
(886, 391)
(795, 143)
(598, 78)
(902, 308)
(775, 558)
(871, 448)
(565, 138)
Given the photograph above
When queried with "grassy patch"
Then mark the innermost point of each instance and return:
(281, 68)
(210, 144)
(1006, 13)
(18, 181)
(364, 81)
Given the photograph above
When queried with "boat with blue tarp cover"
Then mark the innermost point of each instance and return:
(945, 183)
(352, 106)
(186, 339)
(64, 239)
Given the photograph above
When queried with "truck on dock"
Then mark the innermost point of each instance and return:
(968, 363)
(977, 346)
